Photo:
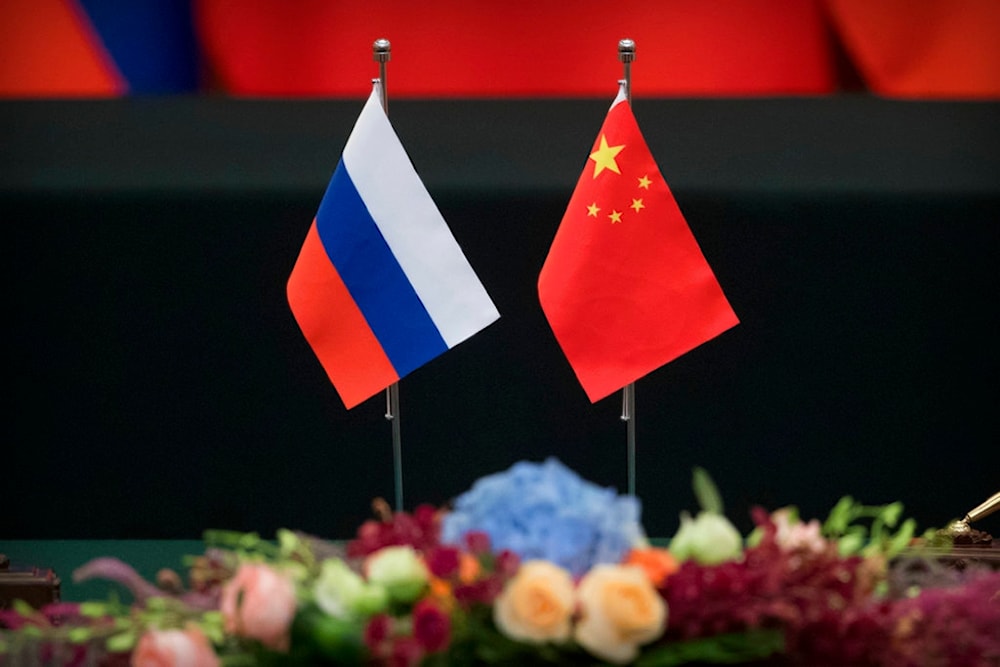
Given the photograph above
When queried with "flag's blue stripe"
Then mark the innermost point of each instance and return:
(374, 278)
(152, 42)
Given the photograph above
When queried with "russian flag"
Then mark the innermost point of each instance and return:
(380, 286)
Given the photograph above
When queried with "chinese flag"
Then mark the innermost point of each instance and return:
(625, 286)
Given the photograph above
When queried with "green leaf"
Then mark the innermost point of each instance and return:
(726, 649)
(239, 660)
(230, 539)
(840, 518)
(94, 609)
(122, 642)
(24, 609)
(851, 543)
(901, 539)
(156, 604)
(868, 529)
(80, 635)
(706, 492)
(212, 617)
(891, 513)
(215, 634)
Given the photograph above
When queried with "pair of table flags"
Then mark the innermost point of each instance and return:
(381, 286)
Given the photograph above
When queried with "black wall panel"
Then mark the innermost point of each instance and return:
(158, 384)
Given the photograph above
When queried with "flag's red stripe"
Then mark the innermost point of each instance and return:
(334, 326)
(49, 47)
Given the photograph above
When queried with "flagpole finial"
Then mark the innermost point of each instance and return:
(626, 54)
(626, 50)
(381, 53)
(381, 50)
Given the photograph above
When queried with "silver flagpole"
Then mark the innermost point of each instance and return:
(381, 53)
(626, 54)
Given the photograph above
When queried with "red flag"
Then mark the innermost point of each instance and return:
(625, 286)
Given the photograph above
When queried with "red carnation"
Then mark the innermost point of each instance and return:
(443, 561)
(507, 564)
(431, 626)
(477, 542)
(377, 632)
(406, 652)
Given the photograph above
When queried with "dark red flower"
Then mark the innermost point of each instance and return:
(431, 626)
(481, 591)
(427, 516)
(406, 652)
(377, 632)
(477, 542)
(443, 561)
(507, 563)
(11, 620)
(420, 530)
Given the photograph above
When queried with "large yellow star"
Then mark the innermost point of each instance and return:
(604, 157)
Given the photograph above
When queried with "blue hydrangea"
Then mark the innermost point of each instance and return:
(546, 511)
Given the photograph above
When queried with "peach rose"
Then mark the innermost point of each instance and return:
(620, 611)
(259, 602)
(536, 605)
(174, 648)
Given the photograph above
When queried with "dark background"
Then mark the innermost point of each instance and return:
(158, 384)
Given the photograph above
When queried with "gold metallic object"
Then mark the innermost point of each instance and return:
(991, 505)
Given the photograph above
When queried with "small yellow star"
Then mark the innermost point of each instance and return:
(615, 217)
(604, 157)
(637, 204)
(644, 182)
(593, 209)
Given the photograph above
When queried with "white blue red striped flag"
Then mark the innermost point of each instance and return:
(381, 287)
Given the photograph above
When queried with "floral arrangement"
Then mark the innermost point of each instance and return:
(536, 566)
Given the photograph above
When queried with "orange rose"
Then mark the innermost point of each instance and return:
(537, 604)
(656, 562)
(468, 567)
(174, 648)
(259, 602)
(620, 611)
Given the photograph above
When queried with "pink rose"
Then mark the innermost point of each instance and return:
(793, 535)
(259, 603)
(174, 648)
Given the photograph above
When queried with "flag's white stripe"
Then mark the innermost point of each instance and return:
(414, 228)
(620, 97)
